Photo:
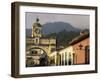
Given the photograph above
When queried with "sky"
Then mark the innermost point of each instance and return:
(78, 21)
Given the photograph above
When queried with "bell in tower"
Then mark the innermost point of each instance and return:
(36, 29)
(37, 20)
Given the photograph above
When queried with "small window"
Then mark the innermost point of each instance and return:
(37, 40)
(33, 52)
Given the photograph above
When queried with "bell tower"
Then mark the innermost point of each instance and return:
(36, 29)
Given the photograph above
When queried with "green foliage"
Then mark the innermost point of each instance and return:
(64, 37)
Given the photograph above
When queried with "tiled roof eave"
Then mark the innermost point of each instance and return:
(79, 38)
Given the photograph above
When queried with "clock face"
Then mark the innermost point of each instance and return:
(37, 31)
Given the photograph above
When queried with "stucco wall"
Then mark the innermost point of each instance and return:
(80, 53)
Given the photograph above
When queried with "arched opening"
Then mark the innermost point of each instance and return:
(70, 60)
(38, 57)
(65, 58)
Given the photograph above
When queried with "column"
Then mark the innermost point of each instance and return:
(61, 58)
(55, 59)
(64, 58)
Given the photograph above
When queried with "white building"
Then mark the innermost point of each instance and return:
(63, 57)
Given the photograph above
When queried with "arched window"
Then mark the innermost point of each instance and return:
(37, 41)
(33, 52)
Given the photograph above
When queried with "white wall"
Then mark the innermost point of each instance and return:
(5, 41)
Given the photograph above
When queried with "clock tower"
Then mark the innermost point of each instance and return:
(36, 29)
(39, 47)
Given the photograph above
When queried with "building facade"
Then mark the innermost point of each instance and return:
(63, 56)
(76, 53)
(81, 49)
(38, 46)
(41, 50)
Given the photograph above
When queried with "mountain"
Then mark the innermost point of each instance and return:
(64, 37)
(56, 27)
